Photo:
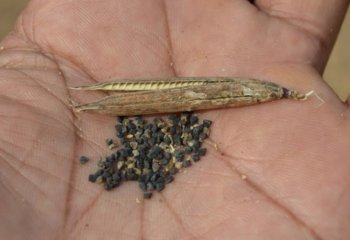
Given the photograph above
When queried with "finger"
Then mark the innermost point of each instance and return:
(320, 18)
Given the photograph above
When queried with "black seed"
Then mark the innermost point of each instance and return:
(116, 176)
(139, 164)
(142, 178)
(177, 139)
(92, 178)
(167, 140)
(207, 123)
(140, 140)
(154, 177)
(160, 186)
(109, 159)
(169, 179)
(114, 156)
(147, 195)
(139, 120)
(143, 186)
(147, 165)
(179, 155)
(195, 157)
(149, 186)
(202, 151)
(187, 150)
(105, 175)
(167, 155)
(131, 125)
(122, 175)
(172, 130)
(193, 119)
(187, 129)
(124, 152)
(154, 129)
(186, 163)
(109, 141)
(196, 145)
(120, 119)
(202, 137)
(128, 151)
(160, 179)
(195, 132)
(83, 159)
(132, 177)
(173, 171)
(107, 186)
(152, 140)
(179, 130)
(174, 119)
(164, 161)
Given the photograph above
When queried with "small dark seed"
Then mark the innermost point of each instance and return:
(120, 119)
(186, 163)
(131, 125)
(167, 155)
(149, 186)
(160, 186)
(147, 165)
(169, 179)
(207, 123)
(195, 157)
(108, 187)
(173, 171)
(196, 145)
(187, 150)
(164, 161)
(172, 130)
(147, 195)
(109, 141)
(83, 159)
(202, 151)
(177, 139)
(116, 177)
(143, 186)
(179, 155)
(92, 177)
(193, 119)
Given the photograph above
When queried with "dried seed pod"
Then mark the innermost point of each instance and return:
(186, 95)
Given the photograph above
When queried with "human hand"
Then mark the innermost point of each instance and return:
(282, 171)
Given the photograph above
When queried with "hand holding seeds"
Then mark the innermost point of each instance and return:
(153, 153)
(285, 162)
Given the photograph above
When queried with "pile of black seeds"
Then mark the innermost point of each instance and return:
(152, 152)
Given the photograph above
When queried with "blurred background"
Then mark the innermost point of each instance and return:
(337, 73)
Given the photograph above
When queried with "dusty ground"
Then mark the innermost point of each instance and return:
(337, 73)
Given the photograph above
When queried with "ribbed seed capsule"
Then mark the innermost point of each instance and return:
(213, 93)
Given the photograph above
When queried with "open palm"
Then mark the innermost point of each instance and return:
(281, 171)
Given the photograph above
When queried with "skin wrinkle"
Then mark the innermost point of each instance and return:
(69, 232)
(272, 200)
(176, 216)
(44, 88)
(33, 109)
(73, 166)
(34, 185)
(171, 62)
(25, 164)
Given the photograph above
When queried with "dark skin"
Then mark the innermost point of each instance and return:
(282, 168)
